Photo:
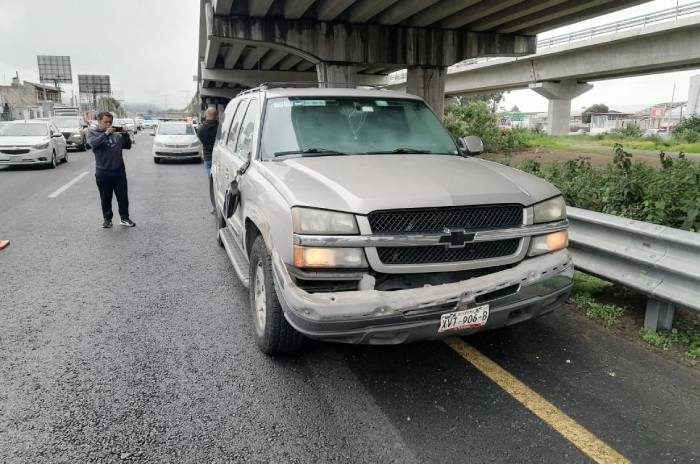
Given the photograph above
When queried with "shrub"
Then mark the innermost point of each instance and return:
(476, 118)
(670, 196)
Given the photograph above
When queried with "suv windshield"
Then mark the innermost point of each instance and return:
(27, 130)
(175, 129)
(66, 122)
(339, 125)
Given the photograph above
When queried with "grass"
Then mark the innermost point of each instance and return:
(684, 335)
(586, 288)
(578, 142)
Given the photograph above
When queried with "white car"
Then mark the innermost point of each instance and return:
(148, 124)
(32, 142)
(176, 140)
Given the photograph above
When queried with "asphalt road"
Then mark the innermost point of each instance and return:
(135, 345)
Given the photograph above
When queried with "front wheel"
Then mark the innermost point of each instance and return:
(273, 333)
(65, 157)
(53, 162)
(156, 160)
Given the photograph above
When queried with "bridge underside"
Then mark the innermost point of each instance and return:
(359, 41)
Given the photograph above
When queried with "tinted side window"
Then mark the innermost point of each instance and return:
(245, 138)
(233, 133)
(222, 131)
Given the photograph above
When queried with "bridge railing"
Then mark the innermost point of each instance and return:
(660, 262)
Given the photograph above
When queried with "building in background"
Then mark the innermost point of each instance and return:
(27, 100)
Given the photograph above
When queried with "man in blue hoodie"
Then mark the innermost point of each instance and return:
(110, 173)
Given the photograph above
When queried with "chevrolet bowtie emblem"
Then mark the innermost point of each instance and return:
(456, 238)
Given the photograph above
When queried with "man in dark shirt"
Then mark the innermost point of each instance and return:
(207, 135)
(110, 174)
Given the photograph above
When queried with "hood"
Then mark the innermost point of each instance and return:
(15, 141)
(69, 128)
(362, 184)
(176, 139)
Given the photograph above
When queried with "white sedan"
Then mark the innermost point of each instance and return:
(176, 140)
(32, 142)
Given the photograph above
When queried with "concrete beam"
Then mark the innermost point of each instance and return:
(328, 10)
(222, 7)
(440, 10)
(272, 58)
(403, 10)
(518, 11)
(253, 77)
(477, 12)
(365, 10)
(218, 93)
(259, 8)
(212, 52)
(296, 9)
(234, 52)
(289, 62)
(369, 44)
(582, 15)
(335, 74)
(253, 56)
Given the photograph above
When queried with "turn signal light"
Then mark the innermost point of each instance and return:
(318, 257)
(549, 243)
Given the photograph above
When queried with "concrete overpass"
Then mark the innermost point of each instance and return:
(246, 42)
(562, 73)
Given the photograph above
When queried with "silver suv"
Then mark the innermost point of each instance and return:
(353, 216)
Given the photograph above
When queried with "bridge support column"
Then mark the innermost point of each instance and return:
(559, 95)
(337, 73)
(428, 82)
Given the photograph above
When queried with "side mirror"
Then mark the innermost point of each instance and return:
(470, 145)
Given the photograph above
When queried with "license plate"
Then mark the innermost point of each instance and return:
(15, 157)
(464, 319)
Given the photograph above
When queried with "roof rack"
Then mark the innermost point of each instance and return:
(310, 84)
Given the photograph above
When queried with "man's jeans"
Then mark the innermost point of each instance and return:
(109, 186)
(207, 168)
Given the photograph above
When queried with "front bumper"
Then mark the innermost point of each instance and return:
(34, 156)
(177, 153)
(534, 287)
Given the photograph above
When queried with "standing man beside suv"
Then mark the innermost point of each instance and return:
(110, 173)
(207, 135)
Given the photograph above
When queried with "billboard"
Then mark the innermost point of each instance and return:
(91, 84)
(54, 69)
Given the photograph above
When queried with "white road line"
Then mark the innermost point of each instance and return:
(68, 185)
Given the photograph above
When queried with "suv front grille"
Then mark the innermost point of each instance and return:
(431, 220)
(441, 254)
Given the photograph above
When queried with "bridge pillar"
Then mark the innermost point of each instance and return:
(428, 82)
(559, 95)
(336, 73)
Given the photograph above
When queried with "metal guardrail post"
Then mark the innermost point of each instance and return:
(659, 315)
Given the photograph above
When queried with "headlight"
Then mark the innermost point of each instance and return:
(548, 243)
(550, 210)
(158, 144)
(319, 222)
(75, 135)
(312, 257)
(195, 145)
(41, 146)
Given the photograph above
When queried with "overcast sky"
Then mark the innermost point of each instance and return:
(149, 47)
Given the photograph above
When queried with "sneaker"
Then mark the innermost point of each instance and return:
(127, 223)
(106, 224)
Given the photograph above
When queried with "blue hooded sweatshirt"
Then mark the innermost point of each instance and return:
(108, 151)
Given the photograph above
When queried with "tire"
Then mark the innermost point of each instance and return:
(156, 160)
(220, 224)
(83, 146)
(272, 332)
(53, 163)
(65, 158)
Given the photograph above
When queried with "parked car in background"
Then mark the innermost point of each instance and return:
(32, 142)
(176, 140)
(139, 123)
(353, 216)
(148, 124)
(73, 129)
(127, 124)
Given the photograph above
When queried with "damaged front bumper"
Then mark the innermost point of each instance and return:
(530, 289)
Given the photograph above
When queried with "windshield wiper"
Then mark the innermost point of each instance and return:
(403, 150)
(310, 152)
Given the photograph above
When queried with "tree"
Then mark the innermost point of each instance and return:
(597, 108)
(515, 109)
(492, 99)
(111, 105)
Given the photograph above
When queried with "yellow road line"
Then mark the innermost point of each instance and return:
(584, 440)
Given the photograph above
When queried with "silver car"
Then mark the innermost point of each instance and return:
(353, 216)
(32, 142)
